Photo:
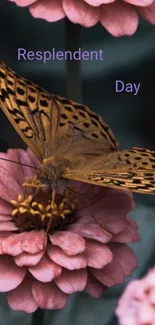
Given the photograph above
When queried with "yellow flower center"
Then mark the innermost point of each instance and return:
(33, 210)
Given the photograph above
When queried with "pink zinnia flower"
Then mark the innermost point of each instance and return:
(137, 304)
(119, 17)
(79, 252)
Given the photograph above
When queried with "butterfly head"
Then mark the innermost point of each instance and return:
(51, 169)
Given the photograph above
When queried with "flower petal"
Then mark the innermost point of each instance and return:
(94, 287)
(9, 188)
(98, 255)
(129, 235)
(48, 296)
(119, 18)
(23, 3)
(69, 262)
(79, 12)
(25, 259)
(148, 13)
(90, 229)
(13, 169)
(125, 257)
(50, 10)
(26, 158)
(123, 263)
(69, 242)
(72, 281)
(10, 274)
(21, 298)
(3, 235)
(12, 245)
(5, 207)
(34, 242)
(110, 275)
(45, 270)
(5, 217)
(96, 3)
(8, 226)
(141, 3)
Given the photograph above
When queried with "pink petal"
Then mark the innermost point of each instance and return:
(23, 3)
(148, 13)
(34, 242)
(3, 235)
(79, 12)
(72, 281)
(50, 10)
(97, 3)
(129, 235)
(69, 262)
(48, 296)
(90, 229)
(151, 297)
(9, 188)
(8, 226)
(146, 314)
(128, 306)
(45, 270)
(25, 158)
(119, 18)
(125, 257)
(150, 279)
(97, 254)
(21, 298)
(10, 274)
(141, 3)
(69, 242)
(25, 259)
(5, 207)
(19, 155)
(12, 245)
(110, 275)
(110, 216)
(110, 213)
(5, 217)
(94, 287)
(14, 170)
(123, 263)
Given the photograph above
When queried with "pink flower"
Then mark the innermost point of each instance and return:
(137, 304)
(79, 252)
(119, 17)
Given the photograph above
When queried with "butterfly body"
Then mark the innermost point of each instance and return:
(52, 169)
(70, 140)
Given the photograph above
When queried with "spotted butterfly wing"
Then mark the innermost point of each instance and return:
(54, 126)
(49, 123)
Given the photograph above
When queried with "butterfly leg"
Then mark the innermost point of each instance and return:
(52, 205)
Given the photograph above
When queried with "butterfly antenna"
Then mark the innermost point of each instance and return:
(89, 209)
(19, 163)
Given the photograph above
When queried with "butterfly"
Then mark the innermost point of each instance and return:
(70, 140)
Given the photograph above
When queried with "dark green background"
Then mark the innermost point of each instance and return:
(132, 119)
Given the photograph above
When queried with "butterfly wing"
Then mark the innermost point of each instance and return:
(27, 108)
(130, 169)
(52, 125)
(49, 124)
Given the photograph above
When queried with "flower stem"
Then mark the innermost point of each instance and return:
(38, 317)
(73, 43)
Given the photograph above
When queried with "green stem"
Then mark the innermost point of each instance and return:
(38, 317)
(73, 67)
